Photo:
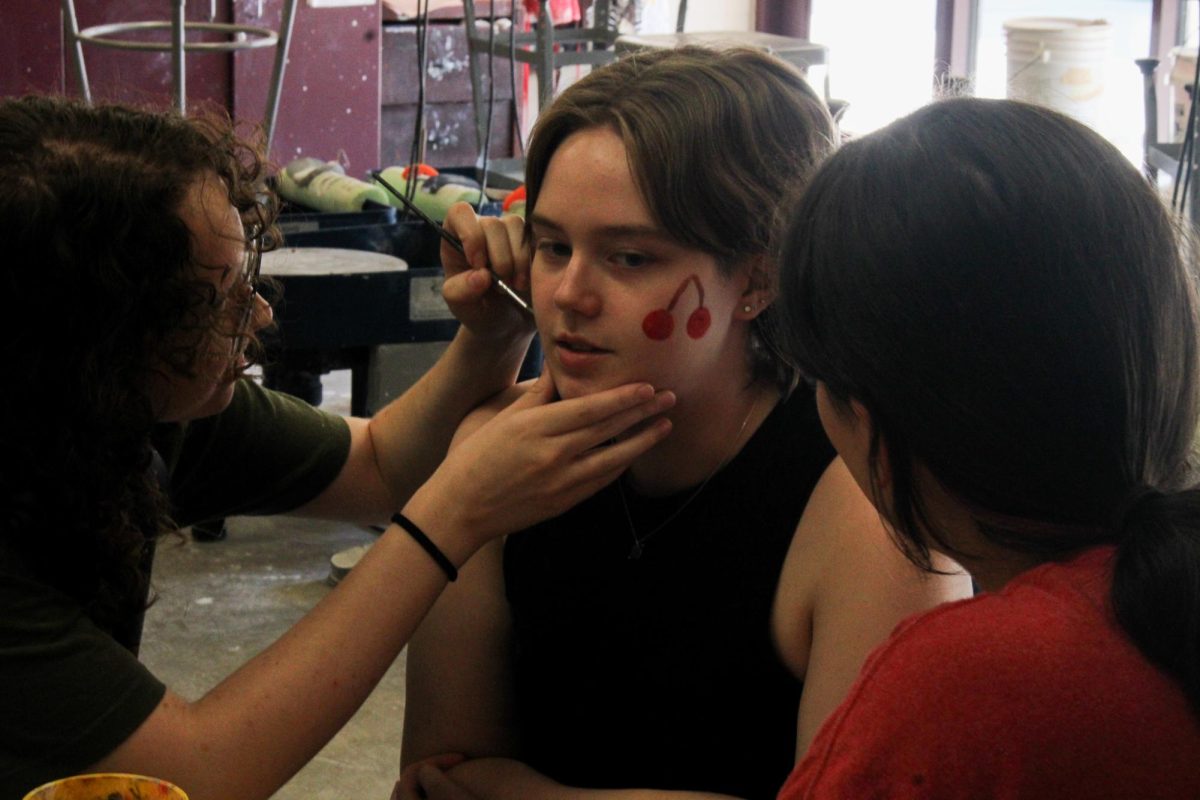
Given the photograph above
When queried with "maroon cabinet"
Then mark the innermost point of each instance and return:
(330, 100)
(329, 107)
(30, 48)
(450, 138)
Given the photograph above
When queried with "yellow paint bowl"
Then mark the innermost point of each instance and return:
(107, 786)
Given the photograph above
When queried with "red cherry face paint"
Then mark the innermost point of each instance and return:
(698, 322)
(659, 323)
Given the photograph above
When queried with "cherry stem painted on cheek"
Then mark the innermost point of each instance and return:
(682, 286)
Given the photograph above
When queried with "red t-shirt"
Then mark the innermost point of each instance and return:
(1031, 692)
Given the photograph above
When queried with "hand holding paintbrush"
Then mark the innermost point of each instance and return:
(453, 240)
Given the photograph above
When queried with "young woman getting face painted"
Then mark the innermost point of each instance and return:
(689, 625)
(608, 280)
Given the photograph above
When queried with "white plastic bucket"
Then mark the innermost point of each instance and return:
(1059, 62)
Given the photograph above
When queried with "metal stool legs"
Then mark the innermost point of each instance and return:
(542, 48)
(243, 37)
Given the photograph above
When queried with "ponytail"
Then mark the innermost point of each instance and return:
(1156, 582)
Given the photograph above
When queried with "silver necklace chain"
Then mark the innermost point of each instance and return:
(639, 542)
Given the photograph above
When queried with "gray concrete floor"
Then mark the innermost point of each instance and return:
(220, 603)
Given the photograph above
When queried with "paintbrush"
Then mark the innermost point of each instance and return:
(454, 241)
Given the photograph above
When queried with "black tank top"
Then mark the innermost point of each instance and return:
(660, 672)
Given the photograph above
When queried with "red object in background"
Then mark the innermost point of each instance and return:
(562, 12)
(423, 171)
(515, 196)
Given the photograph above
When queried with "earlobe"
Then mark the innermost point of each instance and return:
(759, 292)
(753, 303)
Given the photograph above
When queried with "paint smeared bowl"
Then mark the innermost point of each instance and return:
(107, 786)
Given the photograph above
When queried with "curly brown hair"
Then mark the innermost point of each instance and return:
(90, 201)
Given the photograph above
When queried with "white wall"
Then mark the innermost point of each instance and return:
(702, 15)
(659, 16)
(717, 15)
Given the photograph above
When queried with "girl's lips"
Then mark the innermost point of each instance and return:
(576, 344)
(577, 355)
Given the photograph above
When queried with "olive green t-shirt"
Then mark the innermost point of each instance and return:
(69, 692)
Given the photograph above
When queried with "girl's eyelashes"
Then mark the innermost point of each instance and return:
(632, 260)
(550, 248)
(559, 251)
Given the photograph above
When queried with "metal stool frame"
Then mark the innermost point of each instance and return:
(101, 35)
(538, 49)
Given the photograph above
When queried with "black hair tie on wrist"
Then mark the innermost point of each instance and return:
(427, 543)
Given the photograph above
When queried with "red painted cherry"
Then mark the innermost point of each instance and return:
(658, 324)
(698, 322)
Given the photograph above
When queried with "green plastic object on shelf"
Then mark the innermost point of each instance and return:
(434, 192)
(325, 186)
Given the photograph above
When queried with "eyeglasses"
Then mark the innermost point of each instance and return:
(246, 290)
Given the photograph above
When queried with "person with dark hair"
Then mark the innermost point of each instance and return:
(129, 308)
(688, 626)
(1002, 329)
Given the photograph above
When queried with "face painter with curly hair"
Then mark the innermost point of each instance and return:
(129, 306)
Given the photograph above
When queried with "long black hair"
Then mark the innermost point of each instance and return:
(1007, 297)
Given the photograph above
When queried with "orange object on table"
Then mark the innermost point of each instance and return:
(108, 786)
